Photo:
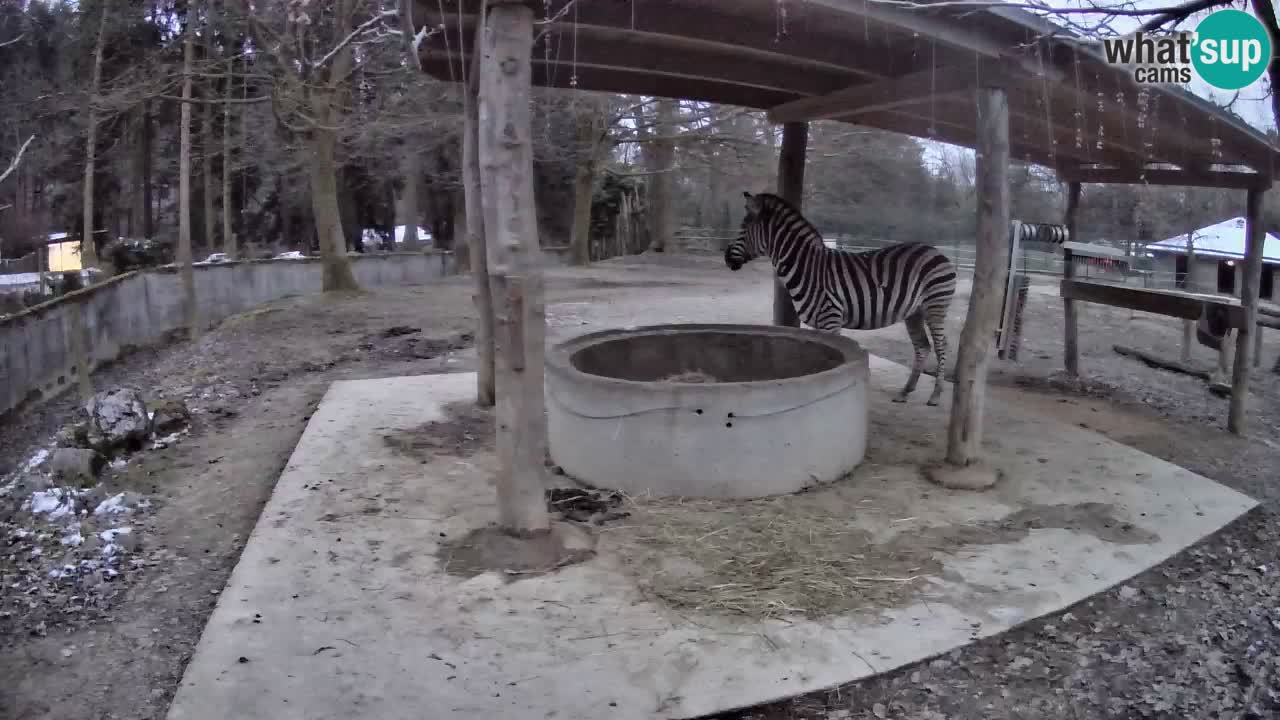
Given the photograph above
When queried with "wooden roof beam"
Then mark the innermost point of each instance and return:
(880, 95)
(956, 134)
(945, 31)
(1165, 176)
(684, 24)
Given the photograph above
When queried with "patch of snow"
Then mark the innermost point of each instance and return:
(36, 460)
(73, 537)
(167, 440)
(109, 536)
(113, 505)
(55, 502)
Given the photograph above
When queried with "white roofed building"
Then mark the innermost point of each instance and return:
(1218, 250)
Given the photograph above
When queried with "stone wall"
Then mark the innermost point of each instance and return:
(38, 355)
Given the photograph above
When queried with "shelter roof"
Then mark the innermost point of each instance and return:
(884, 65)
(1224, 240)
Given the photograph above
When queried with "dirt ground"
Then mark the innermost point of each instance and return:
(1198, 637)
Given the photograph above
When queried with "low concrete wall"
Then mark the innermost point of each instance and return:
(37, 348)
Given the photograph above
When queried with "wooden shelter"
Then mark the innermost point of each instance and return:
(1002, 81)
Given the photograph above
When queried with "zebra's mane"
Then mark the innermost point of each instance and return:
(777, 204)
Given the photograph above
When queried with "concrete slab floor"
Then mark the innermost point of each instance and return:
(340, 609)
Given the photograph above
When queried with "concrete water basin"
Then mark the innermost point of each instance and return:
(707, 410)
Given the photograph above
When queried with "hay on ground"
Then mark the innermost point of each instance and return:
(765, 558)
(690, 376)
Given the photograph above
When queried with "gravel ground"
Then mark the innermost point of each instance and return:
(1197, 637)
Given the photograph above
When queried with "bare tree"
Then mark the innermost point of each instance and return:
(311, 90)
(88, 252)
(228, 236)
(17, 159)
(592, 134)
(184, 182)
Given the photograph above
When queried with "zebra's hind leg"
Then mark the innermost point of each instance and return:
(919, 341)
(935, 316)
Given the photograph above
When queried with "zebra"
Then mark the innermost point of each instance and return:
(837, 289)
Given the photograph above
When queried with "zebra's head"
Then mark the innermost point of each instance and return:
(750, 243)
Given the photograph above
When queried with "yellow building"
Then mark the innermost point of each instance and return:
(63, 255)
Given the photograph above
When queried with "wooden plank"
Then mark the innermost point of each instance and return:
(1156, 361)
(477, 254)
(964, 433)
(694, 24)
(879, 95)
(1165, 176)
(506, 164)
(966, 37)
(791, 160)
(1159, 302)
(1255, 237)
(1070, 327)
(1091, 250)
(568, 48)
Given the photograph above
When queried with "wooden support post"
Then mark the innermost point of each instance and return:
(1070, 328)
(795, 141)
(964, 436)
(1254, 239)
(77, 341)
(1189, 326)
(472, 199)
(511, 234)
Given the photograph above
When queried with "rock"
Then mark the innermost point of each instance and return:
(75, 435)
(1129, 592)
(118, 420)
(170, 416)
(77, 465)
(32, 483)
(123, 537)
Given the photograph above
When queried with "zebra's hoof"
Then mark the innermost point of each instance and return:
(899, 398)
(933, 402)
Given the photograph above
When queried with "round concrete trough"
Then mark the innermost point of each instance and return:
(777, 409)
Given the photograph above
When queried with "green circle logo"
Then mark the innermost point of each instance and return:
(1232, 49)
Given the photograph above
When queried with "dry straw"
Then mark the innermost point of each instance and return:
(765, 558)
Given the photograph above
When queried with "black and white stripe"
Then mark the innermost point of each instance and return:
(833, 289)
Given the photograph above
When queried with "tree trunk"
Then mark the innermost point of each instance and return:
(791, 159)
(88, 249)
(408, 213)
(228, 234)
(590, 128)
(184, 184)
(506, 164)
(327, 214)
(477, 245)
(661, 193)
(208, 145)
(1251, 278)
(461, 248)
(964, 436)
(148, 140)
(324, 181)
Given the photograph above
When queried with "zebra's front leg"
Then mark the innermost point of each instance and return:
(920, 342)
